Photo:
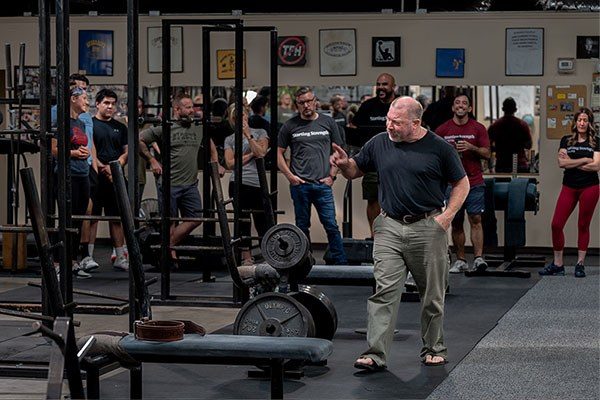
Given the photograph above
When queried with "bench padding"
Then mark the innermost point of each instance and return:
(196, 348)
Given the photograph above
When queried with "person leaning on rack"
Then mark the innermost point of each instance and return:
(186, 140)
(255, 143)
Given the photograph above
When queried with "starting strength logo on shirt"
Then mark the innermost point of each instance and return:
(309, 134)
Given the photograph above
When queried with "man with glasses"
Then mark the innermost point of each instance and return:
(415, 166)
(310, 136)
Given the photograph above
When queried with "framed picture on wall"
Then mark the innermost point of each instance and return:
(337, 52)
(155, 49)
(385, 52)
(450, 63)
(31, 81)
(524, 50)
(96, 52)
(587, 46)
(226, 64)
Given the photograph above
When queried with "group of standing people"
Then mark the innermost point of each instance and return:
(426, 183)
(94, 142)
(417, 182)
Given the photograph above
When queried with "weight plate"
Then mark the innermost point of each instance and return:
(285, 246)
(274, 314)
(321, 308)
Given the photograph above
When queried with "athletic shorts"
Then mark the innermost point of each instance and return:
(185, 199)
(370, 186)
(474, 203)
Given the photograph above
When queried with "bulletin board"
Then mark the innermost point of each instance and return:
(561, 104)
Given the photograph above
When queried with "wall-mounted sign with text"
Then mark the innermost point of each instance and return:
(291, 51)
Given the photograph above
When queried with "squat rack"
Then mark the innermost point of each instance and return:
(227, 25)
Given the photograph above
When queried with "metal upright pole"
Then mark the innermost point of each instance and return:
(165, 264)
(45, 104)
(239, 87)
(62, 134)
(274, 120)
(208, 228)
(45, 148)
(132, 94)
(132, 139)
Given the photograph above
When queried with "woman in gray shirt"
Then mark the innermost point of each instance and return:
(255, 144)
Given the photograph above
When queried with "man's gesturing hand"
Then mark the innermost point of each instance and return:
(339, 158)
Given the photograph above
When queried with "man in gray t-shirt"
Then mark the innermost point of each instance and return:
(309, 136)
(186, 139)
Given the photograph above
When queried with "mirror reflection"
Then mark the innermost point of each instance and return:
(509, 113)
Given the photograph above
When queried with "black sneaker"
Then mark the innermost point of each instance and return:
(579, 270)
(552, 269)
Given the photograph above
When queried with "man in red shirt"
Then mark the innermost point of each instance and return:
(471, 140)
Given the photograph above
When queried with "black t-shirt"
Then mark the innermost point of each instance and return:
(437, 113)
(510, 135)
(258, 122)
(412, 176)
(310, 145)
(109, 138)
(370, 117)
(574, 177)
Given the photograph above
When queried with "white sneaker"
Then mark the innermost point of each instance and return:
(479, 264)
(459, 267)
(113, 256)
(121, 263)
(78, 272)
(88, 264)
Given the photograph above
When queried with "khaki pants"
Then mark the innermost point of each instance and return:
(422, 249)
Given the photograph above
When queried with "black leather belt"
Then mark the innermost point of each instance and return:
(411, 219)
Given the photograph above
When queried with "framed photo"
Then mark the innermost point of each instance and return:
(337, 52)
(291, 51)
(226, 64)
(524, 52)
(450, 63)
(96, 53)
(31, 81)
(385, 52)
(587, 46)
(155, 49)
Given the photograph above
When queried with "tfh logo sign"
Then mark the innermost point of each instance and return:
(291, 51)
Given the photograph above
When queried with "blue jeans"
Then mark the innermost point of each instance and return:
(321, 196)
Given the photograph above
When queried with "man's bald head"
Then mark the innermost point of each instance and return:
(385, 87)
(412, 107)
(387, 77)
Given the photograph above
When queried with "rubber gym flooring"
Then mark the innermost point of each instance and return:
(474, 307)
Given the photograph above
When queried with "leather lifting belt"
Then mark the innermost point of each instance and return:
(166, 331)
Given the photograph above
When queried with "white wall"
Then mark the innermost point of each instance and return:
(482, 36)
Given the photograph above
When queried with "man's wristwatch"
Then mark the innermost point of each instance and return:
(333, 178)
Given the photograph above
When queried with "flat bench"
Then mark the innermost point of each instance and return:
(341, 275)
(228, 350)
